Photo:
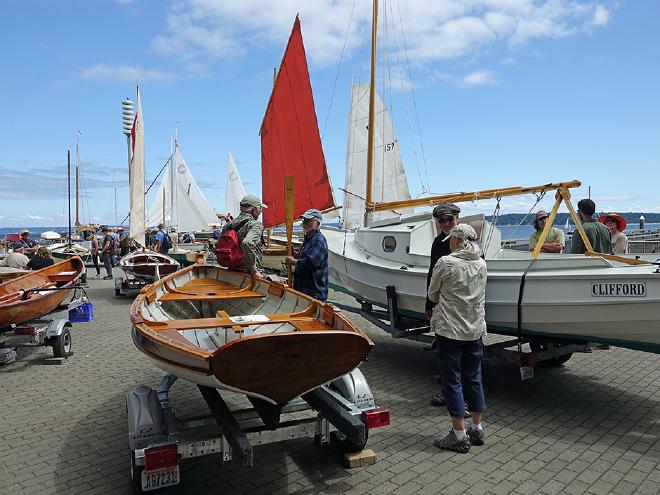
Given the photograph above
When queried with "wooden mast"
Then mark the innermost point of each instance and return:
(372, 104)
(77, 209)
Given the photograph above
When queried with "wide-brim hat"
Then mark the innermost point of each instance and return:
(620, 221)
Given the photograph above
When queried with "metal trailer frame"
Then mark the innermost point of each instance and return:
(129, 287)
(44, 332)
(332, 418)
(554, 351)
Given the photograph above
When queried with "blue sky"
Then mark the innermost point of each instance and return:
(508, 92)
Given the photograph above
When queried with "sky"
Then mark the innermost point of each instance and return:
(498, 93)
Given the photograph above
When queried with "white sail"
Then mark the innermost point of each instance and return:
(137, 224)
(192, 212)
(235, 190)
(389, 178)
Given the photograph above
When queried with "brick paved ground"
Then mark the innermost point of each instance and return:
(591, 426)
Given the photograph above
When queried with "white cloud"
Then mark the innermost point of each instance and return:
(434, 29)
(478, 78)
(122, 73)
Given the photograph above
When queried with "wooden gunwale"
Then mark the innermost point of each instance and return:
(165, 333)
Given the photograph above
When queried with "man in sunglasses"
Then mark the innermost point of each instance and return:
(446, 217)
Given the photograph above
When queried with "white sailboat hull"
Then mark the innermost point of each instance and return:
(564, 296)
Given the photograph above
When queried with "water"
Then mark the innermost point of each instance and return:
(524, 231)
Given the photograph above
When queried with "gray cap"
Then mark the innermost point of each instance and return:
(446, 208)
(252, 201)
(313, 214)
(462, 231)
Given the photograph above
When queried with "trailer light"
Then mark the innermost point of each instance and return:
(160, 457)
(376, 417)
(25, 331)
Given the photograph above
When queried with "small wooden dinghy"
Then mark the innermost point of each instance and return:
(37, 293)
(226, 330)
(148, 265)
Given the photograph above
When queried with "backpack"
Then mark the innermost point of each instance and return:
(166, 243)
(228, 250)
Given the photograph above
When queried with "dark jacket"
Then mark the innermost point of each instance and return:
(438, 250)
(39, 262)
(599, 236)
(311, 276)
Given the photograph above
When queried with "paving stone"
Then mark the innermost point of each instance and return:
(585, 427)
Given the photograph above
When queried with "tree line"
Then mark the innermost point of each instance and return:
(516, 218)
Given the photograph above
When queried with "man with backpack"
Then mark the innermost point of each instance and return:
(241, 245)
(163, 240)
(107, 251)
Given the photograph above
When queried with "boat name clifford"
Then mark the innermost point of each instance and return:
(621, 289)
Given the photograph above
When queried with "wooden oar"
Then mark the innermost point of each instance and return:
(288, 220)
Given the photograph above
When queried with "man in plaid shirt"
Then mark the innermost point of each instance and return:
(311, 260)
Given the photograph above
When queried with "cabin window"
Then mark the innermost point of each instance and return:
(389, 243)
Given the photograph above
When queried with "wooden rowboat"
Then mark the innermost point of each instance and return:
(227, 330)
(37, 293)
(148, 265)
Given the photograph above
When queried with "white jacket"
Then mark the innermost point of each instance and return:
(458, 286)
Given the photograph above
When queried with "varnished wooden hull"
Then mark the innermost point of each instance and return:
(61, 277)
(183, 324)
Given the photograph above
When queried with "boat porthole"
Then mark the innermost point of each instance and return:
(389, 243)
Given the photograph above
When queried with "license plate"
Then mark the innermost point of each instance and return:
(160, 478)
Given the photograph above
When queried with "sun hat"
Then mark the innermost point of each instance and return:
(446, 208)
(620, 221)
(252, 201)
(540, 215)
(462, 231)
(312, 214)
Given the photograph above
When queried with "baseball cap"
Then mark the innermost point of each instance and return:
(252, 201)
(312, 213)
(462, 231)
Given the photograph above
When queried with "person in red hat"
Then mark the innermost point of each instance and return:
(555, 241)
(616, 225)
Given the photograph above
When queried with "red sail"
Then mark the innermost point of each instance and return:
(290, 140)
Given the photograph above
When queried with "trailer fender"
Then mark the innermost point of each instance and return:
(145, 417)
(353, 386)
(56, 327)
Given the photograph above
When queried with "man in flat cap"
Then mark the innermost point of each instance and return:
(445, 216)
(311, 261)
(250, 234)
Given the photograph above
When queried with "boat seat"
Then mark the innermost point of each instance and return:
(213, 294)
(61, 276)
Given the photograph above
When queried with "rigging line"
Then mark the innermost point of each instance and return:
(425, 187)
(363, 37)
(387, 85)
(412, 91)
(150, 185)
(334, 85)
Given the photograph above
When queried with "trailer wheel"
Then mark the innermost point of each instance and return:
(347, 445)
(62, 344)
(540, 346)
(136, 475)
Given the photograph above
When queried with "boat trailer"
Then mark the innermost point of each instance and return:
(554, 351)
(339, 413)
(129, 287)
(47, 332)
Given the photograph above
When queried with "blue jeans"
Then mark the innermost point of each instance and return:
(461, 370)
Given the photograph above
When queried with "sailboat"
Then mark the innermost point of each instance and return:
(68, 249)
(228, 330)
(180, 203)
(544, 297)
(142, 263)
(234, 191)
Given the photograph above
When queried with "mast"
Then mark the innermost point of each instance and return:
(68, 188)
(372, 91)
(173, 145)
(77, 164)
